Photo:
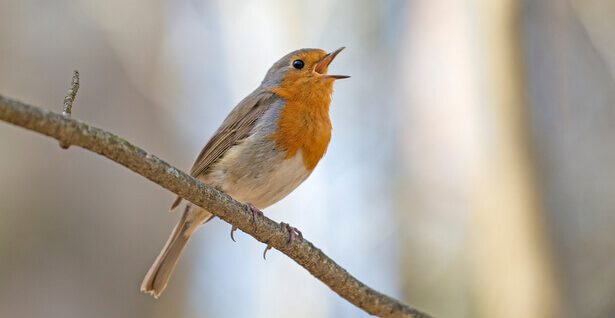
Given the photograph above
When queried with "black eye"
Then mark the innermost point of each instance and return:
(298, 64)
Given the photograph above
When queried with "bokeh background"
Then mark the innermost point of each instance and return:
(471, 171)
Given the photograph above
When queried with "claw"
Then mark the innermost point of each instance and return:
(293, 233)
(233, 229)
(255, 212)
(265, 251)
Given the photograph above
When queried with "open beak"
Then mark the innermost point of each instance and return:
(323, 64)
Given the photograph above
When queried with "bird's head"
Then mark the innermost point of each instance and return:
(303, 67)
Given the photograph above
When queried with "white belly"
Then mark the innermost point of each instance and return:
(253, 172)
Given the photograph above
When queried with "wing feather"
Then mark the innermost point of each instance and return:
(234, 129)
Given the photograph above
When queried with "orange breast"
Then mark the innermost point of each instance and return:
(304, 122)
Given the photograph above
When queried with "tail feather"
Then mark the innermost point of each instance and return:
(157, 277)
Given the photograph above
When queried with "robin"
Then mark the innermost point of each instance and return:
(268, 145)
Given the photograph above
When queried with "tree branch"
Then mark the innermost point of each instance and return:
(73, 132)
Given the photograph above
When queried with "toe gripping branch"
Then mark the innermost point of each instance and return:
(255, 213)
(293, 233)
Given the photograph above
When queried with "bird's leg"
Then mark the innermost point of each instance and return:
(293, 233)
(255, 213)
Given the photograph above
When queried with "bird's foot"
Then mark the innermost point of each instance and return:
(293, 234)
(255, 213)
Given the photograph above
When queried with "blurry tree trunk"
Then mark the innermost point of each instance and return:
(439, 108)
(513, 270)
(570, 53)
(468, 169)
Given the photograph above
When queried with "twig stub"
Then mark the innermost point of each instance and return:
(69, 99)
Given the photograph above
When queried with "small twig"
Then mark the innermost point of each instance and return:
(71, 95)
(69, 99)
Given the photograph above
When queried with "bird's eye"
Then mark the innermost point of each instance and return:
(298, 64)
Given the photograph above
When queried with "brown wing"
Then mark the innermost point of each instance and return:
(234, 129)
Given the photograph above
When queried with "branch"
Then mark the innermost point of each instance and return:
(73, 132)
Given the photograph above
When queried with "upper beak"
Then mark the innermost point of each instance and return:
(323, 64)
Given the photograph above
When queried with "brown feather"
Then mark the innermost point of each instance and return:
(234, 129)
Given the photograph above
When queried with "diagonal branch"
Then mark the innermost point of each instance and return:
(73, 132)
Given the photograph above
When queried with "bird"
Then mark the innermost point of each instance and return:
(266, 147)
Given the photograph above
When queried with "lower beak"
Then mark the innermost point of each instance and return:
(323, 64)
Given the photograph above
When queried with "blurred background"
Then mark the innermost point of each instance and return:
(470, 172)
